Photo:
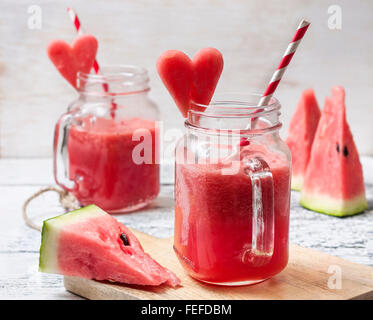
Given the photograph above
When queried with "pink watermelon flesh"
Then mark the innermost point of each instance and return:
(69, 60)
(207, 67)
(302, 130)
(334, 182)
(176, 71)
(190, 80)
(91, 244)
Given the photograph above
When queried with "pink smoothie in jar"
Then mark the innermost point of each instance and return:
(232, 200)
(106, 145)
(213, 221)
(102, 165)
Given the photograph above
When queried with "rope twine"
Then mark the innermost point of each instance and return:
(66, 199)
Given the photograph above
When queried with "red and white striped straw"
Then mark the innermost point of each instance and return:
(78, 27)
(96, 67)
(289, 53)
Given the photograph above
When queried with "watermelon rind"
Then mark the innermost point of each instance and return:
(51, 230)
(296, 182)
(334, 207)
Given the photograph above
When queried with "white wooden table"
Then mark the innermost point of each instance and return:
(350, 238)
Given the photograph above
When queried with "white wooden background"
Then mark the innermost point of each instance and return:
(251, 34)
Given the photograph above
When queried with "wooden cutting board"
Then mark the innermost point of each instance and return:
(305, 277)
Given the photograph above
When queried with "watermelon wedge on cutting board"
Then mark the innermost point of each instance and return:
(302, 130)
(334, 182)
(91, 244)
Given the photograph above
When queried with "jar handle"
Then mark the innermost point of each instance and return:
(262, 243)
(61, 157)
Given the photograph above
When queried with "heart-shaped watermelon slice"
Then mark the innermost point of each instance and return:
(207, 67)
(190, 80)
(69, 60)
(176, 71)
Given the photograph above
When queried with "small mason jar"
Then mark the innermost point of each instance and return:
(106, 144)
(232, 192)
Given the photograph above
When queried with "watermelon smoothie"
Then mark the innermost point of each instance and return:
(101, 163)
(232, 227)
(106, 144)
(213, 222)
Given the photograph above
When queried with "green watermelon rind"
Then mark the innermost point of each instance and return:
(334, 207)
(50, 232)
(297, 182)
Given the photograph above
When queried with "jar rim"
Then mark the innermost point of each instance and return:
(121, 72)
(244, 105)
(233, 132)
(114, 80)
(234, 107)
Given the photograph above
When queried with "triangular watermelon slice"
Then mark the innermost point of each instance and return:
(91, 244)
(302, 130)
(334, 181)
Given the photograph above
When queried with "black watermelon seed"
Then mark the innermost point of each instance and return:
(345, 151)
(124, 238)
(337, 147)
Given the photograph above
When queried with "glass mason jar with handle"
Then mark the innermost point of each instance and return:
(106, 144)
(232, 192)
